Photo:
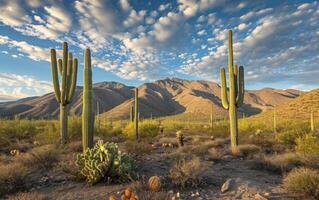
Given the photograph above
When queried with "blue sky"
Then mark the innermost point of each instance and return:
(135, 41)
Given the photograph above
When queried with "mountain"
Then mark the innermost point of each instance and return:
(169, 96)
(298, 108)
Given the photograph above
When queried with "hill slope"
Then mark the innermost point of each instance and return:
(159, 98)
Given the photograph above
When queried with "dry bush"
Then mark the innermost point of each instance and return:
(138, 148)
(12, 178)
(217, 153)
(75, 146)
(303, 181)
(248, 149)
(186, 172)
(43, 157)
(28, 196)
(277, 163)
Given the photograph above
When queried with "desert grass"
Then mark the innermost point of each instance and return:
(28, 196)
(303, 181)
(187, 173)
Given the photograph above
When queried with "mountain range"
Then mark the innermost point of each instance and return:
(165, 97)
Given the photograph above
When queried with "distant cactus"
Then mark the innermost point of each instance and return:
(212, 117)
(275, 120)
(87, 111)
(236, 92)
(132, 114)
(180, 138)
(68, 70)
(136, 114)
(312, 122)
(98, 120)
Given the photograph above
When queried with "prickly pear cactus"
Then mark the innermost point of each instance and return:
(105, 162)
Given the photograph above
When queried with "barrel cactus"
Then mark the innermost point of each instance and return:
(68, 70)
(236, 92)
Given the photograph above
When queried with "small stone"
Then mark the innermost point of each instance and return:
(170, 192)
(259, 197)
(226, 186)
(212, 137)
(178, 194)
(266, 194)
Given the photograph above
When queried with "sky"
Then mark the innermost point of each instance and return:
(137, 41)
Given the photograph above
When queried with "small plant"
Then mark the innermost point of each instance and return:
(147, 128)
(186, 172)
(304, 181)
(105, 162)
(180, 138)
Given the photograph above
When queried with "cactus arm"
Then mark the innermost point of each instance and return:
(55, 77)
(69, 76)
(60, 66)
(236, 79)
(241, 87)
(64, 84)
(224, 89)
(73, 79)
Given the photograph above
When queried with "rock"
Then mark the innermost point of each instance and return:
(259, 197)
(178, 195)
(227, 185)
(212, 137)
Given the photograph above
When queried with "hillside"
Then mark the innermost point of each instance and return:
(159, 98)
(298, 108)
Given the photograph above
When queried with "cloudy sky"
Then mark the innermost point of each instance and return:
(135, 41)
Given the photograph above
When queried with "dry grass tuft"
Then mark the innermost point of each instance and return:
(143, 192)
(28, 196)
(13, 178)
(43, 157)
(186, 173)
(277, 163)
(303, 181)
(217, 153)
(138, 148)
(248, 150)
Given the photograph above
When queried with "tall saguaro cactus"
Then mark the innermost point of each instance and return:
(132, 114)
(68, 68)
(136, 114)
(312, 122)
(212, 117)
(87, 111)
(236, 92)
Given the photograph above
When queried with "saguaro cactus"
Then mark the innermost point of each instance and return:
(68, 68)
(275, 120)
(312, 122)
(136, 114)
(212, 117)
(236, 92)
(132, 114)
(87, 111)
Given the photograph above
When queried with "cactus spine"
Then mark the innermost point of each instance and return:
(136, 114)
(68, 70)
(236, 92)
(312, 122)
(87, 111)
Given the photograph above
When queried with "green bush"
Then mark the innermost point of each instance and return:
(105, 162)
(288, 138)
(147, 128)
(308, 149)
(304, 181)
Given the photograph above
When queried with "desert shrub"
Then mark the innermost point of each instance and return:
(138, 148)
(277, 163)
(12, 178)
(304, 181)
(308, 149)
(248, 149)
(43, 157)
(105, 162)
(288, 137)
(186, 172)
(28, 196)
(144, 193)
(216, 153)
(147, 128)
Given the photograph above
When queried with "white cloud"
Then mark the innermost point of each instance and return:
(12, 14)
(134, 18)
(125, 5)
(242, 26)
(15, 86)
